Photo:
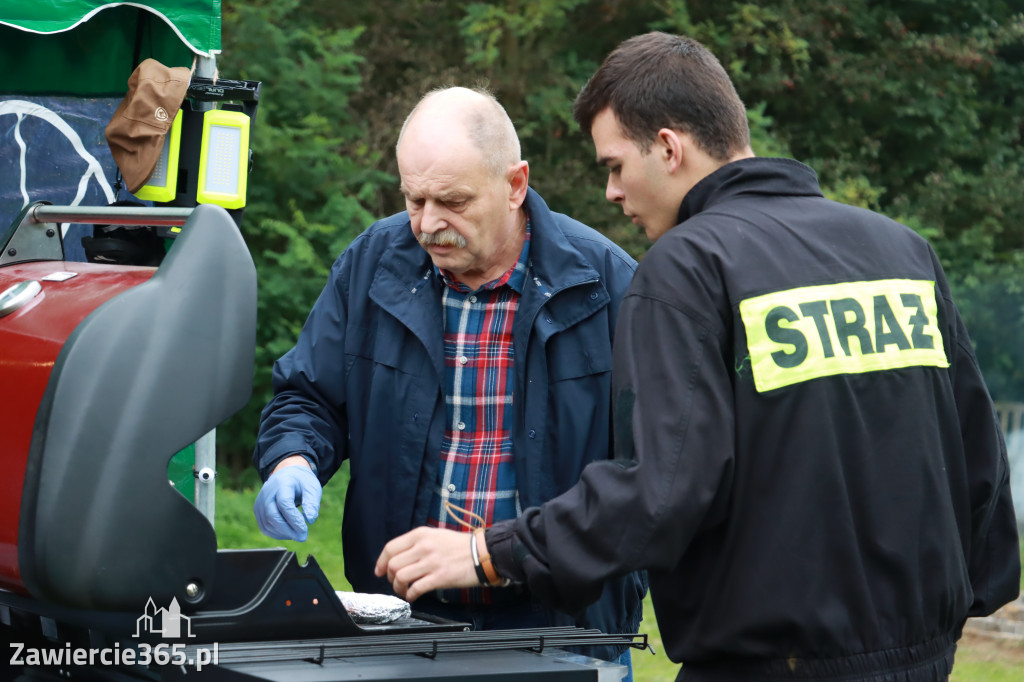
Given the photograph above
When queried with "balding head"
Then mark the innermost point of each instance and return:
(470, 113)
(464, 184)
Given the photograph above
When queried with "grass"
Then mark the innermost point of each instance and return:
(236, 528)
(647, 666)
(973, 667)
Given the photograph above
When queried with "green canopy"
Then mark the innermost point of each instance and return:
(89, 48)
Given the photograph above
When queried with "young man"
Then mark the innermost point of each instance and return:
(460, 359)
(815, 477)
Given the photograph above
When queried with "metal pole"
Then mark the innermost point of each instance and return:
(205, 467)
(206, 67)
(205, 470)
(110, 215)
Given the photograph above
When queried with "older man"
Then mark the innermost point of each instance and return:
(460, 359)
(817, 481)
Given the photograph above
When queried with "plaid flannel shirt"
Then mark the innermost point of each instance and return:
(477, 471)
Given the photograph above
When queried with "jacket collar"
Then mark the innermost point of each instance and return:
(754, 176)
(406, 285)
(555, 262)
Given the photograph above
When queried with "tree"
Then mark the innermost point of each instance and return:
(312, 173)
(909, 107)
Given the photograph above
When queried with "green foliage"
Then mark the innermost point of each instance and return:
(762, 140)
(870, 84)
(911, 108)
(310, 173)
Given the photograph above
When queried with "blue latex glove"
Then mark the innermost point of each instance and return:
(277, 505)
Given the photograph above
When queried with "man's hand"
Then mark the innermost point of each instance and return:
(427, 559)
(292, 484)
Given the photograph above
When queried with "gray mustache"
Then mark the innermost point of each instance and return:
(448, 237)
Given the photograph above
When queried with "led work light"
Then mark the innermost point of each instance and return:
(223, 158)
(163, 184)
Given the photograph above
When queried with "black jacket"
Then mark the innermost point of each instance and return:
(807, 458)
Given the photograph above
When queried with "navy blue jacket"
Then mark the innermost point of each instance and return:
(366, 382)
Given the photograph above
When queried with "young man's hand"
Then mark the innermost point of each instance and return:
(427, 559)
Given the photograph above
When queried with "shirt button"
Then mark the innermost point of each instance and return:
(532, 434)
(461, 426)
(593, 296)
(451, 487)
(548, 320)
(472, 299)
(463, 360)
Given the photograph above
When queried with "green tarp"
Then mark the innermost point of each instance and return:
(89, 48)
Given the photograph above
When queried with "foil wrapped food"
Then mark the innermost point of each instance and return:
(374, 609)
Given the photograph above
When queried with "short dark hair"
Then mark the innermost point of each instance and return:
(656, 81)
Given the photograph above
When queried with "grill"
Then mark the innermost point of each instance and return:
(536, 640)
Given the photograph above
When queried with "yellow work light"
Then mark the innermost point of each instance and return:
(223, 158)
(163, 184)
